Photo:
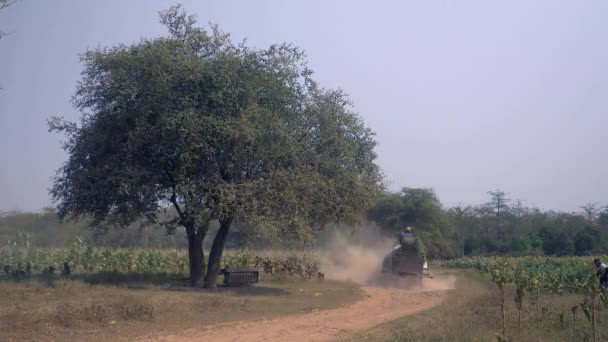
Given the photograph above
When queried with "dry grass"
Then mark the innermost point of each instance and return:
(76, 311)
(472, 313)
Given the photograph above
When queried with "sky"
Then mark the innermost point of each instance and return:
(465, 96)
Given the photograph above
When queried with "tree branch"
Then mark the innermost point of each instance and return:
(6, 3)
(173, 199)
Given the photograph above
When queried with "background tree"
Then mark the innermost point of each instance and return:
(421, 209)
(602, 218)
(555, 242)
(499, 204)
(591, 211)
(482, 213)
(386, 212)
(195, 125)
(459, 214)
(586, 240)
(517, 213)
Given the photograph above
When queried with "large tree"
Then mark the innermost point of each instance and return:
(206, 129)
(499, 202)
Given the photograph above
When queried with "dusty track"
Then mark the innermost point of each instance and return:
(380, 305)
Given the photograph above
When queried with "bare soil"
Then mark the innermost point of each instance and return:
(73, 310)
(380, 305)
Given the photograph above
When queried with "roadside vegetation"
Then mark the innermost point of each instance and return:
(82, 260)
(535, 278)
(472, 312)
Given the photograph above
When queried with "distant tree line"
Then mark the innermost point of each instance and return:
(45, 230)
(499, 226)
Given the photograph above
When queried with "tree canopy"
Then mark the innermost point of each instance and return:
(208, 129)
(421, 209)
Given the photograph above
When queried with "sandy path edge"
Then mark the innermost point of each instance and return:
(380, 305)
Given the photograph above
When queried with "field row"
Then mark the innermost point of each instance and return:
(556, 275)
(20, 262)
(528, 277)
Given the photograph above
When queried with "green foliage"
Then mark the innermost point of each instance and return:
(502, 275)
(603, 217)
(586, 240)
(501, 226)
(556, 275)
(20, 262)
(521, 280)
(421, 209)
(216, 130)
(555, 242)
(213, 128)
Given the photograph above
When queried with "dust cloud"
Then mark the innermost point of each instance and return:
(354, 257)
(357, 256)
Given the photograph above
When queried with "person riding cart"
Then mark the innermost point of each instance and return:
(405, 234)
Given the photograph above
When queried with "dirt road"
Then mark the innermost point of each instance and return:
(380, 305)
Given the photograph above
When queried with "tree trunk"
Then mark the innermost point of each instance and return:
(513, 238)
(462, 242)
(499, 231)
(483, 238)
(196, 258)
(215, 255)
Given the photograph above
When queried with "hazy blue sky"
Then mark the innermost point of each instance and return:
(465, 96)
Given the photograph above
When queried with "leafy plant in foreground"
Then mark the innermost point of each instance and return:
(501, 277)
(521, 284)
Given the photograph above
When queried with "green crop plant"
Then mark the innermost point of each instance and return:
(19, 261)
(535, 286)
(559, 275)
(521, 283)
(593, 286)
(551, 276)
(501, 277)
